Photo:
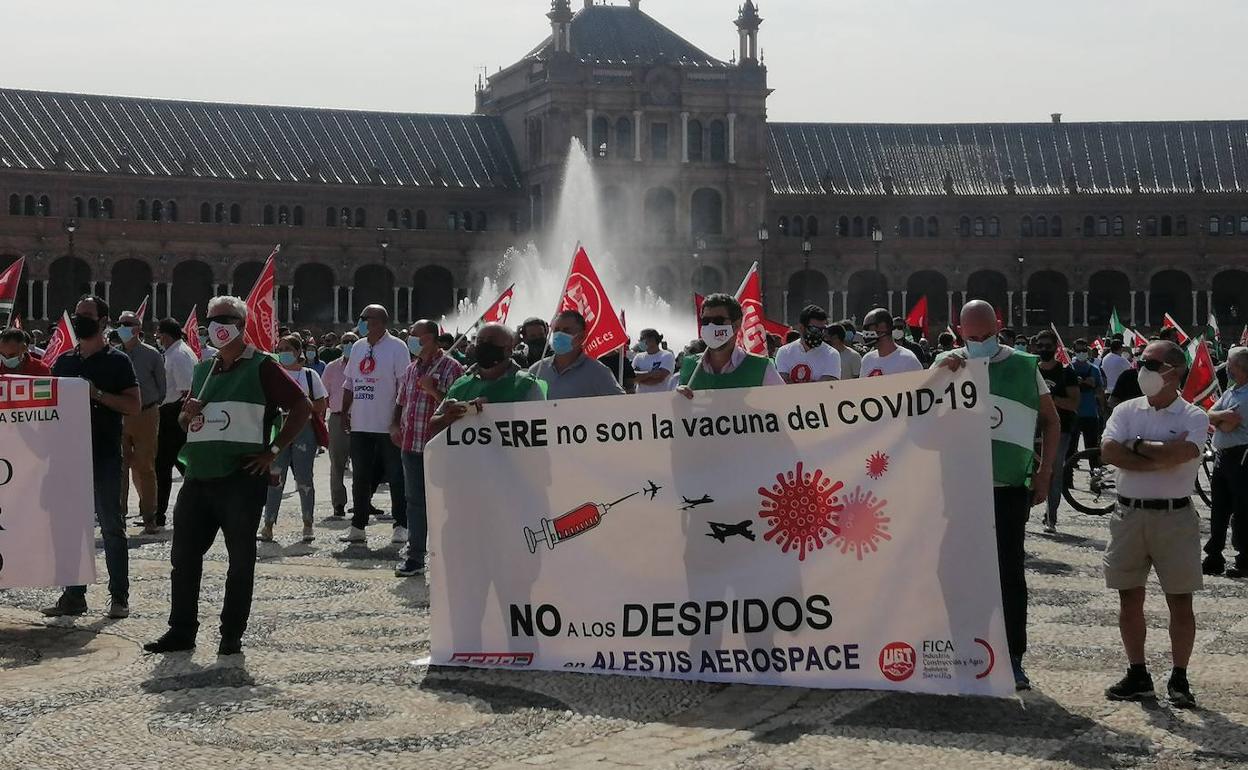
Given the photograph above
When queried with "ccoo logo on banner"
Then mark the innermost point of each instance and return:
(821, 535)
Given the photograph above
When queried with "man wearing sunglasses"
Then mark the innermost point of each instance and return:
(724, 365)
(1156, 442)
(886, 354)
(1020, 401)
(229, 418)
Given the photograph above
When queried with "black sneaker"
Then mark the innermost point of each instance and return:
(65, 608)
(229, 647)
(170, 642)
(1180, 694)
(1213, 565)
(1237, 572)
(410, 568)
(339, 512)
(1133, 686)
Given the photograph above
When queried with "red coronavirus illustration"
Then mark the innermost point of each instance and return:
(860, 523)
(877, 465)
(800, 507)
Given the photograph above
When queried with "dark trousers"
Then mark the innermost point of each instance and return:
(232, 505)
(417, 512)
(1012, 506)
(106, 465)
(1230, 505)
(375, 458)
(169, 442)
(1090, 429)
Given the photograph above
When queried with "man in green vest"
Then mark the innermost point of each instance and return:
(1020, 400)
(494, 379)
(229, 417)
(724, 365)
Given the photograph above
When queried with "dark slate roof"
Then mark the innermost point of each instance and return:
(111, 134)
(610, 34)
(979, 158)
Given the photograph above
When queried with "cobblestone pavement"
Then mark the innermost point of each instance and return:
(326, 683)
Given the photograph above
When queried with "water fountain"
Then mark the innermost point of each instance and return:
(539, 277)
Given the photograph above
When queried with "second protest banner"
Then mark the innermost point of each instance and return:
(823, 535)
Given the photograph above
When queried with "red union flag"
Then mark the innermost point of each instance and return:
(1063, 355)
(1202, 382)
(9, 281)
(261, 308)
(584, 293)
(1169, 323)
(497, 313)
(191, 330)
(918, 315)
(142, 311)
(698, 300)
(753, 336)
(62, 341)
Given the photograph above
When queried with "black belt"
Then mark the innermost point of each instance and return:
(1162, 504)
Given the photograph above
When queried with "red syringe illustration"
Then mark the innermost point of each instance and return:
(575, 522)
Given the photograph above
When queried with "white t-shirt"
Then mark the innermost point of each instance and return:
(301, 379)
(1113, 365)
(373, 374)
(645, 363)
(899, 361)
(802, 365)
(1138, 418)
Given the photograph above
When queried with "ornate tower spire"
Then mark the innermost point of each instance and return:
(561, 25)
(748, 22)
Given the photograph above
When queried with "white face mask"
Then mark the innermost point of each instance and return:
(716, 336)
(220, 335)
(1151, 383)
(899, 334)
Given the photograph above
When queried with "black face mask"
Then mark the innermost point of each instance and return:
(1047, 356)
(813, 338)
(489, 355)
(536, 343)
(84, 328)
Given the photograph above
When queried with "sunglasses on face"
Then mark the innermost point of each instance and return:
(223, 319)
(1153, 365)
(718, 320)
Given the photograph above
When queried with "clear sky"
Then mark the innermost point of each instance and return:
(829, 60)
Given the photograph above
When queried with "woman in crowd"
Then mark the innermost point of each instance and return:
(301, 454)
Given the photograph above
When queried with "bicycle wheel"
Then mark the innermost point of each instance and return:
(1204, 476)
(1089, 485)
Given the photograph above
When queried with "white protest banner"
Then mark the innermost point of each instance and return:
(832, 534)
(47, 498)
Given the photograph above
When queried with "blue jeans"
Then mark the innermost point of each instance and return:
(1059, 478)
(417, 512)
(299, 458)
(107, 468)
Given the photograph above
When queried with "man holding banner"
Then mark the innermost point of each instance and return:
(724, 364)
(569, 373)
(494, 379)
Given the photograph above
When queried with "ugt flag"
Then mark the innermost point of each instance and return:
(1201, 388)
(63, 341)
(585, 294)
(753, 336)
(262, 308)
(918, 315)
(497, 313)
(191, 331)
(9, 281)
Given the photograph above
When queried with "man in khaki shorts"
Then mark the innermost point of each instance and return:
(1155, 441)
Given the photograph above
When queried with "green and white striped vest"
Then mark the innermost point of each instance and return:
(231, 425)
(1015, 402)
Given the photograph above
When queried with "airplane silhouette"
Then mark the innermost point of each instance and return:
(722, 532)
(691, 504)
(651, 490)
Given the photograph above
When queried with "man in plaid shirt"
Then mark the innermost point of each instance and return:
(423, 387)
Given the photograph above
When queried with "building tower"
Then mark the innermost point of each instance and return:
(748, 22)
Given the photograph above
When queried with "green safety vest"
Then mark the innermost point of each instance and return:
(1015, 399)
(748, 375)
(231, 426)
(504, 390)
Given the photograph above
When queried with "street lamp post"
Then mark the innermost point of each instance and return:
(877, 237)
(763, 237)
(699, 246)
(807, 247)
(1022, 295)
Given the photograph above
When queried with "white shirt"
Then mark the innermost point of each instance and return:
(179, 370)
(808, 365)
(206, 351)
(851, 363)
(646, 363)
(899, 361)
(1113, 365)
(770, 376)
(373, 374)
(301, 378)
(1137, 418)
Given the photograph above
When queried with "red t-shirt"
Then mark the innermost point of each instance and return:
(30, 367)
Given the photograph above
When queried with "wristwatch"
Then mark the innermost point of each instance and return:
(273, 450)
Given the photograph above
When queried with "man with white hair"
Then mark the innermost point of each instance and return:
(1019, 394)
(230, 419)
(1230, 474)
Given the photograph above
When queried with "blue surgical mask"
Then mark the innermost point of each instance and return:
(126, 333)
(12, 363)
(986, 349)
(310, 356)
(346, 351)
(561, 343)
(286, 358)
(1020, 346)
(362, 328)
(414, 345)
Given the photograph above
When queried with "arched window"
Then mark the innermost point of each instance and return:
(106, 208)
(236, 214)
(1243, 225)
(979, 227)
(171, 210)
(1215, 225)
(360, 217)
(799, 227)
(405, 219)
(1102, 226)
(842, 227)
(1167, 225)
(268, 216)
(1180, 225)
(1150, 226)
(331, 217)
(218, 213)
(1055, 226)
(422, 221)
(158, 211)
(695, 140)
(15, 205)
(1119, 229)
(994, 227)
(468, 221)
(481, 222)
(964, 227)
(392, 219)
(598, 145)
(1042, 226)
(860, 228)
(79, 209)
(283, 215)
(933, 227)
(93, 208)
(140, 209)
(452, 220)
(719, 142)
(782, 226)
(624, 138)
(706, 215)
(45, 206)
(205, 212)
(297, 216)
(1228, 224)
(812, 227)
(1025, 228)
(29, 206)
(903, 227)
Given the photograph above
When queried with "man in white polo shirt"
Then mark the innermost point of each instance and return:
(1155, 441)
(808, 359)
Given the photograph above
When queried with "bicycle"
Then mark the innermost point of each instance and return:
(1090, 485)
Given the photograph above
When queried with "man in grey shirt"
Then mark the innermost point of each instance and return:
(569, 373)
(139, 431)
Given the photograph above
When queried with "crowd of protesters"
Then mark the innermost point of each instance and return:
(371, 398)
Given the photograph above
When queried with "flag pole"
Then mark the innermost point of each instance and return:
(478, 323)
(563, 290)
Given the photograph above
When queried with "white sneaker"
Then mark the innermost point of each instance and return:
(354, 535)
(400, 535)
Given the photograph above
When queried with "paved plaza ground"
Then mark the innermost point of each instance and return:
(326, 682)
